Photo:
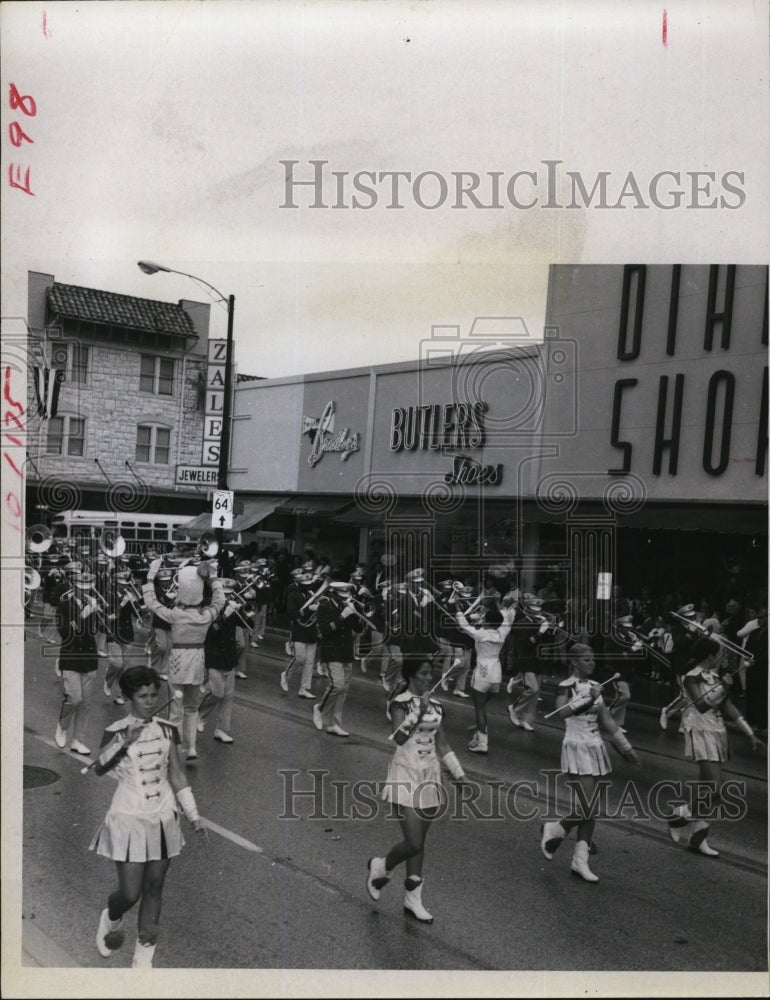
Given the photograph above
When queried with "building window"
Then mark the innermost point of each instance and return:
(72, 358)
(153, 444)
(156, 375)
(66, 436)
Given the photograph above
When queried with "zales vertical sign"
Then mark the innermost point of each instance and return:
(215, 402)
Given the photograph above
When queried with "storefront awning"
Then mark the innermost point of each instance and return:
(313, 506)
(199, 524)
(256, 509)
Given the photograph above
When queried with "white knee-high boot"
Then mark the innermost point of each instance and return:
(580, 862)
(413, 900)
(698, 842)
(143, 955)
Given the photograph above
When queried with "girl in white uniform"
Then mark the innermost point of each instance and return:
(413, 784)
(584, 756)
(707, 694)
(489, 637)
(141, 831)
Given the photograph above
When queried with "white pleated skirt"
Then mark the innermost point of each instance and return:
(133, 837)
(584, 757)
(706, 744)
(417, 787)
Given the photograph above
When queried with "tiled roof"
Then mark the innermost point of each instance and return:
(111, 309)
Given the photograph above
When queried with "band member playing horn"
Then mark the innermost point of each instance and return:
(584, 757)
(189, 621)
(78, 614)
(303, 620)
(530, 635)
(489, 634)
(413, 783)
(337, 623)
(119, 633)
(141, 832)
(221, 649)
(454, 644)
(682, 639)
(708, 701)
(417, 619)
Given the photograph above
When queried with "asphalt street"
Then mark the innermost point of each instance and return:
(292, 818)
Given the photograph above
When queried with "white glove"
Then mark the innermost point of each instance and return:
(152, 572)
(347, 611)
(229, 609)
(543, 628)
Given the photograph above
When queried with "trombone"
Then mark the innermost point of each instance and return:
(707, 633)
(627, 635)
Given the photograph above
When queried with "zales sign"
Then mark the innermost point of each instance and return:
(321, 431)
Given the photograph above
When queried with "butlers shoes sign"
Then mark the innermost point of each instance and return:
(446, 427)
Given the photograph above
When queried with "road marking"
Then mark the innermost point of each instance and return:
(229, 835)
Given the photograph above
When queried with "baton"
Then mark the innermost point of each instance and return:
(615, 677)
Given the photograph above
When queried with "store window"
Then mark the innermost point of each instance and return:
(66, 436)
(153, 444)
(156, 375)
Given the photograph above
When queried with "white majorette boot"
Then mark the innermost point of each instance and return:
(678, 823)
(580, 862)
(551, 839)
(479, 743)
(377, 877)
(109, 935)
(143, 955)
(413, 900)
(698, 840)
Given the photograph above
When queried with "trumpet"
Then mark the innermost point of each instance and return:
(706, 633)
(629, 636)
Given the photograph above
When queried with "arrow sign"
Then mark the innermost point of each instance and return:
(222, 509)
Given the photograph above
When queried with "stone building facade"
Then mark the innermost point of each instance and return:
(116, 395)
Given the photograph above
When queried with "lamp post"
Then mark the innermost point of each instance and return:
(148, 267)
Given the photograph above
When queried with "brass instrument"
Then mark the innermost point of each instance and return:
(112, 543)
(707, 633)
(31, 579)
(624, 632)
(40, 539)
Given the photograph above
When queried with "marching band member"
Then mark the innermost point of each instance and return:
(385, 639)
(141, 832)
(119, 633)
(221, 654)
(413, 783)
(489, 635)
(530, 635)
(584, 756)
(451, 640)
(303, 631)
(681, 644)
(189, 622)
(245, 620)
(78, 615)
(263, 593)
(417, 620)
(158, 645)
(337, 623)
(705, 736)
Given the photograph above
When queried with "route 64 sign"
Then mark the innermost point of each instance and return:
(222, 509)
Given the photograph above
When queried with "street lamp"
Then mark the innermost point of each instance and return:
(149, 267)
